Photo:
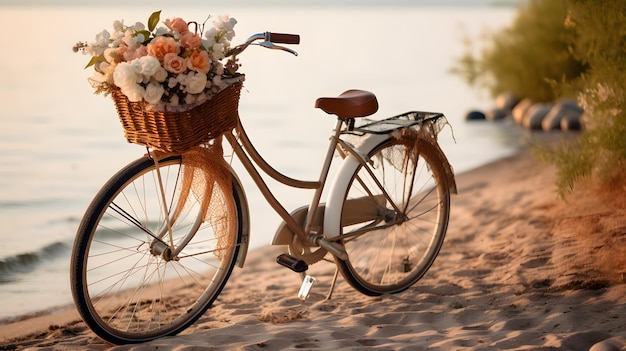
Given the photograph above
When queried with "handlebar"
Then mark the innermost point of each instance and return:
(269, 41)
(282, 38)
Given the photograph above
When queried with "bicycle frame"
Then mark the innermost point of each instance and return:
(247, 154)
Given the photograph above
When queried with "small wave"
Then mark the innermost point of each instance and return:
(13, 266)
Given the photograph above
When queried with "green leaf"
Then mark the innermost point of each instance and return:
(154, 20)
(94, 60)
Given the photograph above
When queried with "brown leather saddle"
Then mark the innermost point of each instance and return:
(350, 104)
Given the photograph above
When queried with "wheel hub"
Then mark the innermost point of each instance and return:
(159, 248)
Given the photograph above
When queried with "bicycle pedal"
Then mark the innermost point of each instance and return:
(305, 288)
(295, 264)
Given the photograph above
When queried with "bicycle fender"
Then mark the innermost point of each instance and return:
(245, 219)
(337, 191)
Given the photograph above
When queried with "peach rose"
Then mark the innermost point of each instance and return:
(179, 25)
(199, 61)
(162, 45)
(174, 63)
(190, 41)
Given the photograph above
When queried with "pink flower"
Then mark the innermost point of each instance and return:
(162, 45)
(190, 41)
(174, 63)
(179, 25)
(199, 61)
(134, 53)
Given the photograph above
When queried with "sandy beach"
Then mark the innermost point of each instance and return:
(520, 269)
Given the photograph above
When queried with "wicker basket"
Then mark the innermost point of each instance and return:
(178, 131)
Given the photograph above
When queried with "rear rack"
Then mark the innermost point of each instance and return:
(402, 121)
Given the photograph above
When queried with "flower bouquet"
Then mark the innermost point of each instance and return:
(169, 86)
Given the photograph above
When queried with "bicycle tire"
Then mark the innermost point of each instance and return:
(390, 259)
(124, 290)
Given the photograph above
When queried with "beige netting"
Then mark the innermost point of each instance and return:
(413, 139)
(206, 176)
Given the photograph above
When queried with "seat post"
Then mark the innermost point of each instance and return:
(350, 123)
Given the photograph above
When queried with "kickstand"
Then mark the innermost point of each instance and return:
(332, 284)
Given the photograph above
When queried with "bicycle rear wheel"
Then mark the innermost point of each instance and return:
(128, 284)
(391, 241)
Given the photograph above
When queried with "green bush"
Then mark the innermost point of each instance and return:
(529, 57)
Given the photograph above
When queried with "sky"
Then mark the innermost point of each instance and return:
(208, 3)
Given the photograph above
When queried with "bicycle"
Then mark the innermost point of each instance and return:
(149, 233)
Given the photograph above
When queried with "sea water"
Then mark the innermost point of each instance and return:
(59, 143)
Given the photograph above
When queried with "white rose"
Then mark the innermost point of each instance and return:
(149, 65)
(160, 75)
(134, 93)
(138, 69)
(195, 83)
(154, 92)
(124, 75)
(136, 65)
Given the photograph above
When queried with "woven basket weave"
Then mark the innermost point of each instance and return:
(178, 131)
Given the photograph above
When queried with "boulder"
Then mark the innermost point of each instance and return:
(563, 109)
(535, 114)
(497, 114)
(571, 123)
(612, 344)
(475, 116)
(520, 109)
(506, 101)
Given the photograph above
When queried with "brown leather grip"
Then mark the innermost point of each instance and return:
(281, 38)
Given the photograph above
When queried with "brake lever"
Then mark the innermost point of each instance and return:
(270, 45)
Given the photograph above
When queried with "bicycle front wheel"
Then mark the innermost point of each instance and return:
(394, 217)
(147, 260)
